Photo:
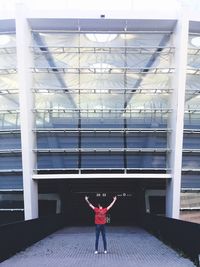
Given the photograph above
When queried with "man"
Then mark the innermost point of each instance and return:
(100, 221)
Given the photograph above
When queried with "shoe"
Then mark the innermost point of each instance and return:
(96, 252)
(105, 251)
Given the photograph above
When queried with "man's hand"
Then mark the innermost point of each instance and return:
(91, 206)
(110, 206)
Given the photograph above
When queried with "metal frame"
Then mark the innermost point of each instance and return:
(99, 150)
(74, 91)
(164, 50)
(108, 171)
(152, 192)
(102, 176)
(8, 71)
(105, 110)
(111, 70)
(103, 130)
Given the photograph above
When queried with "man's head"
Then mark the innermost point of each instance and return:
(100, 206)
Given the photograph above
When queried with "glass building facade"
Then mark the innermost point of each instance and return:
(101, 100)
(102, 103)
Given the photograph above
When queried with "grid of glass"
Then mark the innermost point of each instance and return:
(191, 138)
(102, 99)
(10, 140)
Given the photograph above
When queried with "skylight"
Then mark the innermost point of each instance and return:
(4, 39)
(101, 38)
(195, 41)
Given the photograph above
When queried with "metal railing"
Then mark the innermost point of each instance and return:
(181, 235)
(19, 235)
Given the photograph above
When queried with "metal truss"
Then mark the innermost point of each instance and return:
(103, 130)
(146, 91)
(102, 150)
(164, 50)
(99, 70)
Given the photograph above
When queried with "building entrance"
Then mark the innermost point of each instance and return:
(130, 204)
(122, 213)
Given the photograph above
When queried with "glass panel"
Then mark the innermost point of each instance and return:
(102, 122)
(106, 62)
(190, 200)
(9, 121)
(8, 60)
(55, 101)
(102, 140)
(102, 160)
(148, 121)
(192, 109)
(10, 141)
(136, 160)
(60, 60)
(191, 161)
(10, 161)
(55, 160)
(192, 103)
(101, 39)
(9, 101)
(146, 140)
(190, 205)
(191, 141)
(192, 121)
(11, 181)
(103, 80)
(7, 40)
(190, 180)
(9, 81)
(101, 101)
(59, 120)
(142, 101)
(55, 80)
(55, 39)
(57, 140)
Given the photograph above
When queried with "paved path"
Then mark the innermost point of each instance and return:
(128, 246)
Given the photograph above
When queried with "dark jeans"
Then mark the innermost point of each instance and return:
(100, 228)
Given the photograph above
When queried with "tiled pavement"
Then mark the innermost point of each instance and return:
(128, 247)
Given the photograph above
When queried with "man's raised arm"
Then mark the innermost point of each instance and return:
(91, 206)
(113, 202)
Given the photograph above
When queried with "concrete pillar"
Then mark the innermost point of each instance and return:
(176, 121)
(24, 62)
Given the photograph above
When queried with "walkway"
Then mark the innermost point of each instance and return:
(129, 246)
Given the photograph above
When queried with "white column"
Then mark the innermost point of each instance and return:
(24, 62)
(176, 121)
